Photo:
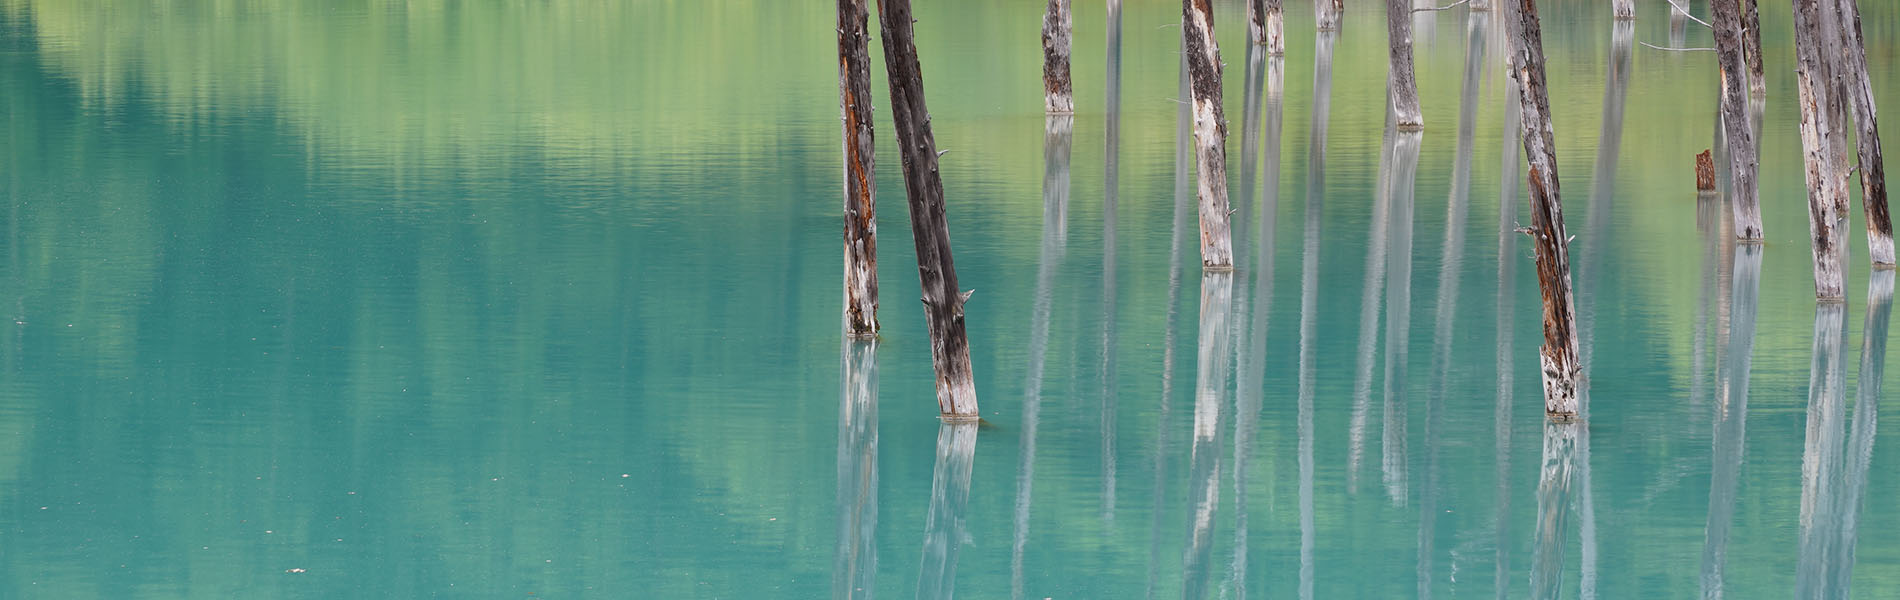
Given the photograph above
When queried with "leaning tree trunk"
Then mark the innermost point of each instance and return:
(1744, 198)
(923, 185)
(1210, 132)
(1860, 97)
(1401, 84)
(1751, 48)
(1625, 10)
(1559, 358)
(1326, 14)
(1058, 95)
(1266, 25)
(1821, 142)
(860, 188)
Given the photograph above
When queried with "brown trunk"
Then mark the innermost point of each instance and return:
(1743, 197)
(930, 229)
(860, 187)
(1058, 95)
(1751, 48)
(1401, 84)
(1704, 172)
(1852, 74)
(1327, 13)
(1210, 132)
(1559, 355)
(1821, 141)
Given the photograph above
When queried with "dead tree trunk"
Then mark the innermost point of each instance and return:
(1860, 97)
(1401, 84)
(930, 229)
(1559, 354)
(1623, 10)
(1266, 25)
(1704, 172)
(1751, 48)
(1741, 141)
(1210, 132)
(1327, 13)
(860, 188)
(1058, 93)
(1821, 143)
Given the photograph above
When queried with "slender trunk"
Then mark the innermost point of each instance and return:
(1751, 49)
(860, 187)
(1860, 97)
(937, 273)
(1731, 418)
(1210, 132)
(1623, 10)
(1401, 84)
(1741, 141)
(1266, 25)
(1327, 14)
(944, 527)
(854, 570)
(1559, 355)
(1821, 142)
(1058, 95)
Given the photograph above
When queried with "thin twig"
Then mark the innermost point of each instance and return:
(1685, 12)
(1445, 7)
(1677, 49)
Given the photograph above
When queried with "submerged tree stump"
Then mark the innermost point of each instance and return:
(1210, 132)
(1559, 357)
(1401, 83)
(1623, 10)
(1058, 95)
(1735, 128)
(860, 187)
(930, 229)
(1327, 13)
(1266, 25)
(1704, 172)
(1824, 153)
(1852, 73)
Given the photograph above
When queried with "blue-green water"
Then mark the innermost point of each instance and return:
(381, 299)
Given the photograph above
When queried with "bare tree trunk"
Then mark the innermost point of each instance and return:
(1744, 198)
(1401, 84)
(1559, 360)
(1266, 25)
(1058, 95)
(1821, 142)
(854, 570)
(943, 305)
(1751, 49)
(1860, 97)
(1327, 13)
(1210, 132)
(860, 187)
(1704, 172)
(1623, 10)
(944, 527)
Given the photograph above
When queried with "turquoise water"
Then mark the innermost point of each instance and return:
(376, 299)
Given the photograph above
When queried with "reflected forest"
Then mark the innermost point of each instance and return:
(1212, 299)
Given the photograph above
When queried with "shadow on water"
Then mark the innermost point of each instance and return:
(1213, 363)
(854, 568)
(1111, 180)
(944, 527)
(1058, 134)
(1731, 416)
(1508, 258)
(1251, 383)
(1401, 173)
(1834, 470)
(1182, 189)
(1309, 300)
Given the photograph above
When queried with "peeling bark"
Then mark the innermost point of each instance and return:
(1852, 75)
(1704, 172)
(1210, 132)
(1559, 357)
(1266, 25)
(1401, 83)
(860, 187)
(1057, 91)
(1821, 141)
(1743, 164)
(930, 229)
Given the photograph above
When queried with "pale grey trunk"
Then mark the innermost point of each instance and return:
(854, 566)
(1111, 181)
(1057, 90)
(1852, 75)
(1553, 508)
(1751, 49)
(1824, 564)
(1678, 27)
(1821, 144)
(1210, 132)
(930, 228)
(1623, 10)
(1731, 418)
(1743, 198)
(1327, 14)
(1395, 463)
(1558, 360)
(1309, 309)
(1506, 308)
(860, 186)
(944, 527)
(1214, 360)
(1480, 5)
(1401, 84)
(1266, 25)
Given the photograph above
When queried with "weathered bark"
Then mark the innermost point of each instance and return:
(1731, 417)
(1852, 74)
(944, 527)
(930, 229)
(1704, 172)
(1401, 83)
(1751, 49)
(1210, 132)
(1825, 555)
(1266, 25)
(860, 187)
(1057, 90)
(1623, 10)
(1559, 357)
(854, 566)
(1743, 198)
(1327, 13)
(1822, 142)
(1553, 506)
(1215, 358)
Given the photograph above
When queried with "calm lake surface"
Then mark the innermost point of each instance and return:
(314, 299)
